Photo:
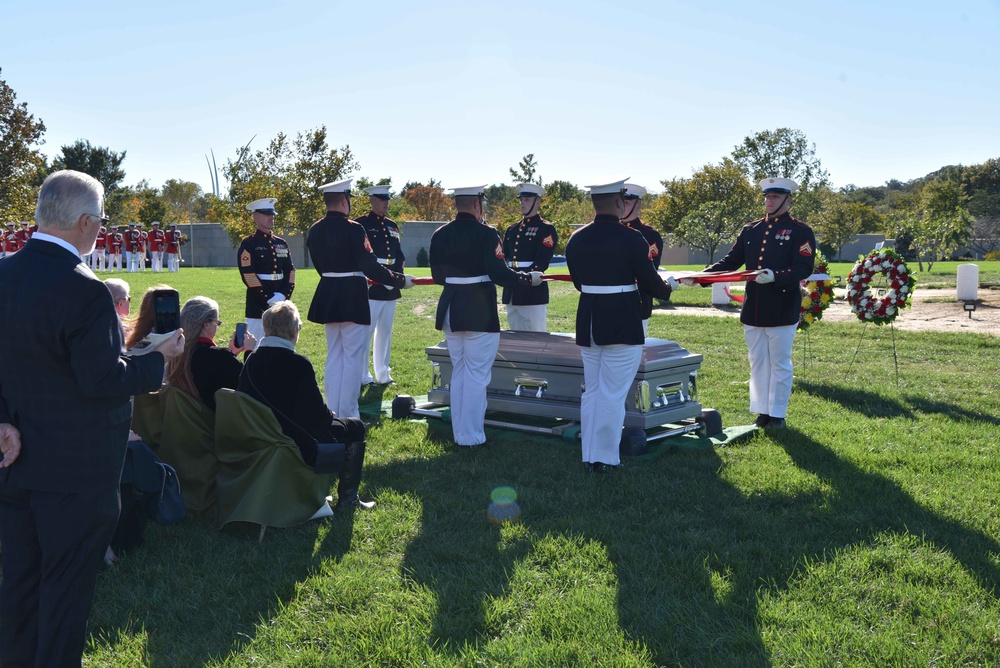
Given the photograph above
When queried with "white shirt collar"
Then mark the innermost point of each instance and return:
(41, 236)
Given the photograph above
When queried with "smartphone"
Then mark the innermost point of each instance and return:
(241, 331)
(166, 311)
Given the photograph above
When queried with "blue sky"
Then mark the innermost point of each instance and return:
(460, 91)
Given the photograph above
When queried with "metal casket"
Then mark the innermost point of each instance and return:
(541, 374)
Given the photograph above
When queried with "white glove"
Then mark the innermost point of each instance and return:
(690, 282)
(672, 282)
(765, 276)
(536, 278)
(278, 297)
(407, 281)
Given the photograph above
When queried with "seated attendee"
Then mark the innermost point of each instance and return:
(283, 380)
(139, 327)
(204, 367)
(119, 293)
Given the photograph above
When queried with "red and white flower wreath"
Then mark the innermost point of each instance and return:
(898, 288)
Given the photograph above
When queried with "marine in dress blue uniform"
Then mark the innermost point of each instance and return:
(609, 263)
(466, 257)
(343, 257)
(528, 246)
(633, 210)
(784, 249)
(265, 264)
(383, 236)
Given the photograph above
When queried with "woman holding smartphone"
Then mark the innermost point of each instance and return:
(205, 367)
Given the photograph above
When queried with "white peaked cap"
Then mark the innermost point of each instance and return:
(776, 184)
(265, 204)
(529, 189)
(634, 190)
(374, 191)
(607, 188)
(338, 187)
(468, 191)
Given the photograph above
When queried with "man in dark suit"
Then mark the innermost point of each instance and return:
(609, 263)
(65, 410)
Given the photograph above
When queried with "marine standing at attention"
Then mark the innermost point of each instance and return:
(265, 266)
(784, 250)
(528, 246)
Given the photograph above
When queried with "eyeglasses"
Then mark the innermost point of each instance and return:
(218, 322)
(104, 219)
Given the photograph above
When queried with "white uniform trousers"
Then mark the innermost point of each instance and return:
(608, 372)
(140, 261)
(173, 261)
(255, 326)
(770, 352)
(526, 318)
(115, 260)
(130, 262)
(157, 260)
(645, 327)
(472, 355)
(383, 313)
(97, 260)
(345, 347)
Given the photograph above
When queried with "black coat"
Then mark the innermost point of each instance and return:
(285, 381)
(264, 254)
(606, 252)
(213, 368)
(338, 244)
(63, 381)
(532, 240)
(787, 247)
(383, 236)
(464, 248)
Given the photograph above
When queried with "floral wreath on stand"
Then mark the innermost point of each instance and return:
(816, 295)
(880, 310)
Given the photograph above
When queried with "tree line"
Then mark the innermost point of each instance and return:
(930, 217)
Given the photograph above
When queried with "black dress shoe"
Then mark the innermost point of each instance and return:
(354, 504)
(776, 423)
(762, 420)
(598, 467)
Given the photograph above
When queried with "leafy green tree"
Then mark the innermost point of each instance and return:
(181, 199)
(290, 170)
(527, 171)
(787, 153)
(100, 162)
(563, 191)
(21, 162)
(840, 220)
(982, 186)
(938, 225)
(721, 190)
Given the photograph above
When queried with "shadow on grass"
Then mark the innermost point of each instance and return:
(876, 405)
(661, 595)
(172, 584)
(863, 505)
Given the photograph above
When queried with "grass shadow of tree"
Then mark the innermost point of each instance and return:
(174, 578)
(875, 405)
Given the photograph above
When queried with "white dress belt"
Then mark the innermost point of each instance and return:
(520, 265)
(607, 289)
(466, 280)
(342, 274)
(270, 277)
(384, 260)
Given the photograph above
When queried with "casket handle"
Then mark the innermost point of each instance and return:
(670, 393)
(538, 384)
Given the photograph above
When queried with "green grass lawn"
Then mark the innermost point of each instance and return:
(864, 535)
